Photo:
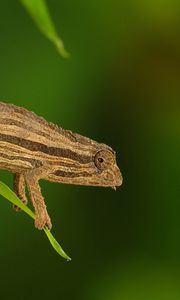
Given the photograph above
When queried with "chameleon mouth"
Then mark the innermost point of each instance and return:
(118, 179)
(113, 178)
(119, 182)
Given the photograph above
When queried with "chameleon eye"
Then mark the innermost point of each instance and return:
(100, 159)
(103, 159)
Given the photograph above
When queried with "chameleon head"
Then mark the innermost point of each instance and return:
(107, 172)
(98, 169)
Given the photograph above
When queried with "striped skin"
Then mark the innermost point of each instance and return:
(31, 145)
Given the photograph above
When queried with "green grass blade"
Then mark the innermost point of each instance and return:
(6, 192)
(41, 16)
(55, 244)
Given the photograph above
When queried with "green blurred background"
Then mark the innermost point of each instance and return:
(121, 87)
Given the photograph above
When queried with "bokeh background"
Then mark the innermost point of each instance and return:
(121, 86)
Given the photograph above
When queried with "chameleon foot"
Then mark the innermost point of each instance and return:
(17, 208)
(43, 219)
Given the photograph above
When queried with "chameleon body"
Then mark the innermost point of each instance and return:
(33, 149)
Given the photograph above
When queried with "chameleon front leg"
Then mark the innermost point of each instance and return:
(19, 189)
(32, 181)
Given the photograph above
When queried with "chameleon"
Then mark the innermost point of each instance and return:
(32, 149)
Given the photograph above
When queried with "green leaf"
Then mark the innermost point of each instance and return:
(39, 12)
(6, 192)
